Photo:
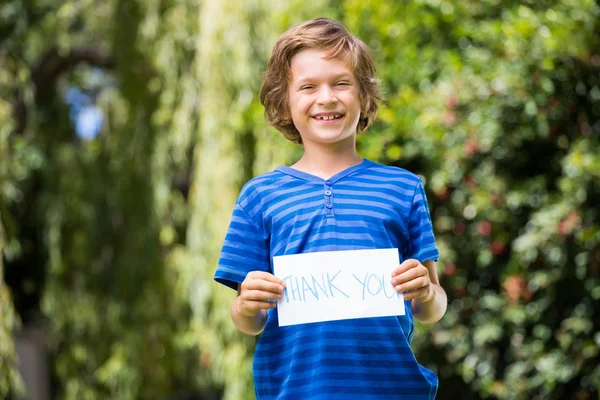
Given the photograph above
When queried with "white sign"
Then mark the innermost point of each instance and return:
(334, 285)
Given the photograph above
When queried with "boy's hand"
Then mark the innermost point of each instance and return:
(259, 292)
(412, 278)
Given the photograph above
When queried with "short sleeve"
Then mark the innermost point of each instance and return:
(422, 241)
(245, 249)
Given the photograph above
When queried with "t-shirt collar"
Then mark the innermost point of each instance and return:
(313, 178)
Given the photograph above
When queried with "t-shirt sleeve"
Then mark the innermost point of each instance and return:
(245, 249)
(422, 241)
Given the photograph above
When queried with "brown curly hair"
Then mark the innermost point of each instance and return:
(320, 33)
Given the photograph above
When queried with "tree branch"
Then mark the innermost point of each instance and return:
(50, 67)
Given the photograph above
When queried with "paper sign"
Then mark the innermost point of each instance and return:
(335, 285)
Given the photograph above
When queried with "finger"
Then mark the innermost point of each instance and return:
(266, 276)
(260, 295)
(415, 294)
(266, 286)
(414, 284)
(405, 266)
(252, 307)
(410, 275)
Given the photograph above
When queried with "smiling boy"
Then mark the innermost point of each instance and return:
(320, 91)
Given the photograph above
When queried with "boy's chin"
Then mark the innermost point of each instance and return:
(329, 139)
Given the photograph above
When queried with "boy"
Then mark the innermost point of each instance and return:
(320, 91)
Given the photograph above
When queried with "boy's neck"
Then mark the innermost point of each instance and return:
(326, 162)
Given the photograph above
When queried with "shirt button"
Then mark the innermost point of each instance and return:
(329, 205)
(328, 182)
(328, 193)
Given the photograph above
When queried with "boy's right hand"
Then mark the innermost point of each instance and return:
(259, 291)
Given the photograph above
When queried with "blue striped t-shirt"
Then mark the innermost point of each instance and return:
(367, 206)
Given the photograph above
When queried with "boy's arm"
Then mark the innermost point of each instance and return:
(256, 296)
(431, 308)
(421, 285)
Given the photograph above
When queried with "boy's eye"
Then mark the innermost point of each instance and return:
(342, 83)
(306, 87)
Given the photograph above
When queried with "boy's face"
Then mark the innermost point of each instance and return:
(324, 98)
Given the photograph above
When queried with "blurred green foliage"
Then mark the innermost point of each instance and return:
(113, 241)
(497, 105)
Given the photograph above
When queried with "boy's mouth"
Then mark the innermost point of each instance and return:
(329, 117)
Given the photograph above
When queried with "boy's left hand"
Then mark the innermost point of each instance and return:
(412, 278)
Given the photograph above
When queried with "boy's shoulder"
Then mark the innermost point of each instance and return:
(395, 173)
(260, 183)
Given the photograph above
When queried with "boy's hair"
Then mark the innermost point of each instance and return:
(320, 33)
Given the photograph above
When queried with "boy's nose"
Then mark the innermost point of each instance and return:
(326, 96)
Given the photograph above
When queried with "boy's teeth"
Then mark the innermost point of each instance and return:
(328, 117)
